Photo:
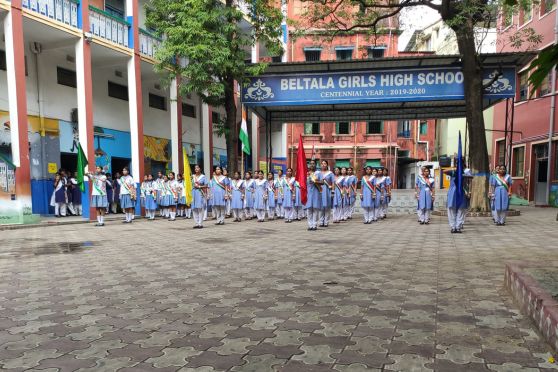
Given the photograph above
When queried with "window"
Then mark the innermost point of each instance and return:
(501, 146)
(115, 8)
(428, 44)
(404, 129)
(548, 6)
(344, 53)
(157, 102)
(527, 13)
(2, 60)
(343, 127)
(404, 154)
(215, 117)
(545, 85)
(375, 127)
(423, 128)
(312, 54)
(518, 161)
(311, 128)
(340, 163)
(277, 59)
(374, 163)
(523, 86)
(66, 77)
(188, 110)
(117, 91)
(375, 52)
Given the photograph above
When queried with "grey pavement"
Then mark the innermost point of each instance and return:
(391, 296)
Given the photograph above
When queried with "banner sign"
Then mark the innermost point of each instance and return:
(427, 84)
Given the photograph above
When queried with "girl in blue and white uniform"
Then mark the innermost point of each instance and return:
(260, 196)
(352, 192)
(500, 194)
(381, 193)
(59, 198)
(279, 183)
(219, 195)
(175, 189)
(368, 196)
(313, 206)
(228, 210)
(387, 199)
(338, 195)
(99, 194)
(271, 196)
(148, 190)
(250, 189)
(425, 194)
(237, 197)
(199, 196)
(127, 195)
(289, 196)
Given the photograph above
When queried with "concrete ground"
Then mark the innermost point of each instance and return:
(393, 296)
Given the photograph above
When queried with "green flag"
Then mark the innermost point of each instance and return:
(81, 163)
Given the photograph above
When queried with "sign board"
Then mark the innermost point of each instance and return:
(52, 168)
(403, 85)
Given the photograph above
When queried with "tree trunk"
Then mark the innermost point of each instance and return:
(231, 127)
(478, 151)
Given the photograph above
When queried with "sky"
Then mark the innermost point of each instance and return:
(415, 18)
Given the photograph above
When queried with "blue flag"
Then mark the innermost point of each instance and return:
(459, 191)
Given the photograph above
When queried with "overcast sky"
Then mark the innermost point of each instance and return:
(415, 18)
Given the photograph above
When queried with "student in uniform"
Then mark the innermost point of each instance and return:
(99, 194)
(367, 195)
(327, 193)
(164, 196)
(181, 201)
(228, 200)
(271, 196)
(219, 195)
(314, 199)
(59, 199)
(149, 192)
(143, 193)
(500, 192)
(381, 193)
(159, 191)
(237, 197)
(491, 181)
(387, 197)
(425, 194)
(249, 185)
(338, 195)
(289, 196)
(127, 195)
(116, 193)
(199, 196)
(76, 196)
(279, 183)
(175, 190)
(456, 213)
(111, 208)
(352, 186)
(260, 196)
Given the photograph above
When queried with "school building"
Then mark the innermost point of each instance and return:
(526, 129)
(85, 69)
(394, 144)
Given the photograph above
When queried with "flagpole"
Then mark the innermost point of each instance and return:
(241, 164)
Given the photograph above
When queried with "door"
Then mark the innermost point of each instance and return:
(541, 181)
(117, 164)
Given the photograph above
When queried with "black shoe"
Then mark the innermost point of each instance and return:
(458, 231)
(310, 229)
(453, 231)
(421, 222)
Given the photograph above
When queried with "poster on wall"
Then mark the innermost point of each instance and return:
(553, 198)
(219, 157)
(194, 151)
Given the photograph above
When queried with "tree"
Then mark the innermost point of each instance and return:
(205, 46)
(464, 17)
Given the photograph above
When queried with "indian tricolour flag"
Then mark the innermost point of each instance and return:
(243, 135)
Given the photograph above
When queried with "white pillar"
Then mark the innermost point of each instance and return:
(176, 138)
(255, 130)
(11, 88)
(82, 104)
(136, 123)
(206, 139)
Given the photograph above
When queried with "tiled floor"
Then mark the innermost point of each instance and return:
(393, 296)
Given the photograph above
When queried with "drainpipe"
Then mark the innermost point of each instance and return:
(552, 114)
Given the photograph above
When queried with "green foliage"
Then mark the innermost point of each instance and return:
(542, 66)
(206, 42)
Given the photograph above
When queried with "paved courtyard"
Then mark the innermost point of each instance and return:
(393, 296)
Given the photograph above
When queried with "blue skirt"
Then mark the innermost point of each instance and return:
(126, 201)
(99, 201)
(167, 201)
(182, 200)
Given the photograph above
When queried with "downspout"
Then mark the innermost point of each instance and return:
(552, 114)
(200, 116)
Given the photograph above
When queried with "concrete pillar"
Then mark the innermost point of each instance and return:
(135, 102)
(207, 139)
(176, 128)
(255, 121)
(17, 97)
(84, 90)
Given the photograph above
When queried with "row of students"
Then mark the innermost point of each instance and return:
(99, 197)
(66, 196)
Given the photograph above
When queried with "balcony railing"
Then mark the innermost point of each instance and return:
(108, 27)
(65, 11)
(148, 43)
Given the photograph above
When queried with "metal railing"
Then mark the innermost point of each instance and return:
(148, 43)
(65, 11)
(108, 27)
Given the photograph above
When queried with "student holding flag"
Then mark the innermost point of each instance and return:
(99, 194)
(500, 194)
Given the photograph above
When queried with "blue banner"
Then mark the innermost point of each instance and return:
(406, 85)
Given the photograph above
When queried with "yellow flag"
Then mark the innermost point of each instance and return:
(187, 178)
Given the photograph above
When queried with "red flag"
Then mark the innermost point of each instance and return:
(301, 170)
